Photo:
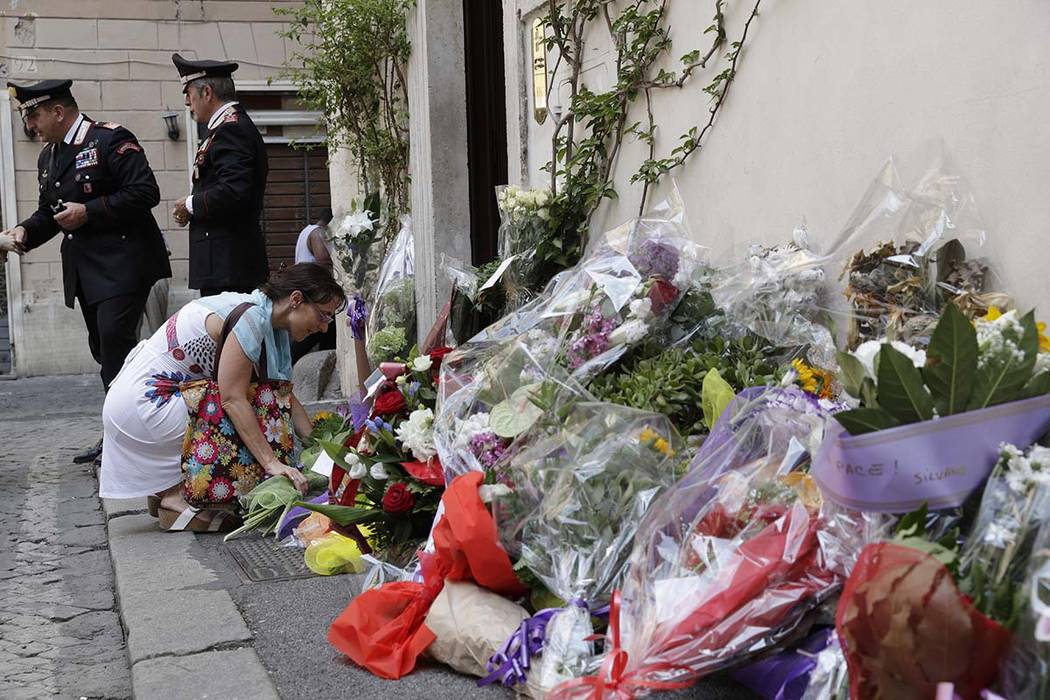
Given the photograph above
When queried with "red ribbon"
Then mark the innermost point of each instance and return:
(612, 678)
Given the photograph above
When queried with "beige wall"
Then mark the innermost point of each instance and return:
(826, 92)
(118, 52)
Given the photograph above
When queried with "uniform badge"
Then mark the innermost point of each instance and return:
(81, 133)
(87, 158)
(128, 146)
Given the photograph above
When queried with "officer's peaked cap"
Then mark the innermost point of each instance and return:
(195, 70)
(30, 96)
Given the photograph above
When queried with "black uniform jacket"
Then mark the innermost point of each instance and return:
(227, 248)
(120, 249)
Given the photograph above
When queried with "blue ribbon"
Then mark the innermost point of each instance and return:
(510, 664)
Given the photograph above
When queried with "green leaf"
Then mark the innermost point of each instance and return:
(865, 420)
(901, 391)
(851, 373)
(714, 397)
(513, 416)
(951, 361)
(1037, 386)
(1000, 382)
(344, 515)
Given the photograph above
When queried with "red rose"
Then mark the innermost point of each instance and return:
(389, 402)
(438, 354)
(398, 499)
(662, 293)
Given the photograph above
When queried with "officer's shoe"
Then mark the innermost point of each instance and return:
(89, 455)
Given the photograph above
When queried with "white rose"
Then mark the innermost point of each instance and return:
(378, 472)
(867, 352)
(630, 332)
(357, 467)
(422, 363)
(642, 308)
(488, 492)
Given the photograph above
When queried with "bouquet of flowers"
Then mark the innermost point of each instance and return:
(568, 513)
(392, 317)
(730, 559)
(526, 228)
(349, 240)
(1025, 672)
(990, 371)
(910, 257)
(778, 293)
(390, 478)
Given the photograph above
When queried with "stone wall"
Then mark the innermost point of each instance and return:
(118, 52)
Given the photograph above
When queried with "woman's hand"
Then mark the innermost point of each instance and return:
(277, 468)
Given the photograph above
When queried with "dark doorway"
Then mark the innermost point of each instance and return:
(486, 121)
(296, 191)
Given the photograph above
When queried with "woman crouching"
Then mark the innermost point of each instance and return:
(145, 416)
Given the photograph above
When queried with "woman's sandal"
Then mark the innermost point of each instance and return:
(188, 520)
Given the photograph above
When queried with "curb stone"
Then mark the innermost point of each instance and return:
(185, 637)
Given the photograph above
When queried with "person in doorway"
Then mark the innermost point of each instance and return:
(310, 247)
(227, 249)
(145, 415)
(97, 190)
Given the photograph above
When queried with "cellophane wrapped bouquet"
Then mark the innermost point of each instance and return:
(354, 242)
(780, 293)
(392, 317)
(568, 515)
(730, 560)
(908, 251)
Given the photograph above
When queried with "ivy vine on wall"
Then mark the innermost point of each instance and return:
(351, 66)
(590, 132)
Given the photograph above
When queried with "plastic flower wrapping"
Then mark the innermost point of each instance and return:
(350, 239)
(624, 292)
(779, 293)
(1025, 673)
(908, 251)
(573, 500)
(729, 561)
(392, 317)
(525, 225)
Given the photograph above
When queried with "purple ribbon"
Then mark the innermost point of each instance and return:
(356, 315)
(296, 515)
(514, 658)
(939, 462)
(785, 676)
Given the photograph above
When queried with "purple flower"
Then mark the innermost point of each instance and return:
(356, 316)
(413, 387)
(595, 341)
(488, 448)
(355, 409)
(656, 259)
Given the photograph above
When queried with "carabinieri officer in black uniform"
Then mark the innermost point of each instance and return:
(96, 191)
(227, 249)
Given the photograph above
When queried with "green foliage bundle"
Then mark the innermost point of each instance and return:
(351, 67)
(672, 382)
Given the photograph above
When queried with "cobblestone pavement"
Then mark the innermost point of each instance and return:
(60, 634)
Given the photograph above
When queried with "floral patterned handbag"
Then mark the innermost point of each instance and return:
(216, 465)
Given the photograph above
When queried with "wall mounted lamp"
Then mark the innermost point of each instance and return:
(171, 121)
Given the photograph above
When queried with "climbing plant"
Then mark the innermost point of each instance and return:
(350, 66)
(589, 132)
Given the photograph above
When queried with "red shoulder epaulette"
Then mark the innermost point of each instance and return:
(230, 118)
(108, 125)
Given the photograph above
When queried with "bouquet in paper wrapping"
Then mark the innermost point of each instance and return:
(916, 613)
(907, 252)
(392, 316)
(729, 561)
(568, 513)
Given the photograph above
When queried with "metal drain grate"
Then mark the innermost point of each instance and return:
(265, 560)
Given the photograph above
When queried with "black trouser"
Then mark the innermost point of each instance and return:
(113, 329)
(212, 291)
(322, 341)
